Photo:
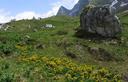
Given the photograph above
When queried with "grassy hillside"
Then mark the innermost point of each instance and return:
(30, 53)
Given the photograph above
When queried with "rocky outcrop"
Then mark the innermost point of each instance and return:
(101, 54)
(100, 21)
(75, 11)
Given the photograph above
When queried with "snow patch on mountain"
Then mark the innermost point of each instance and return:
(123, 4)
(113, 3)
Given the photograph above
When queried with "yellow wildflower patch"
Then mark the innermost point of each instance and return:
(72, 71)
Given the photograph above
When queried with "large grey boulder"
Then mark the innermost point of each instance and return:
(100, 21)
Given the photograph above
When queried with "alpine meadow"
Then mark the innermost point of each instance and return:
(88, 43)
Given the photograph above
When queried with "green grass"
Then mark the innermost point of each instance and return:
(55, 42)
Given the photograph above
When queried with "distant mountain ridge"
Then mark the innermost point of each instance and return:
(75, 10)
(63, 11)
(118, 5)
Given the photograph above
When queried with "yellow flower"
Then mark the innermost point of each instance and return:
(68, 76)
(22, 48)
(33, 58)
(44, 59)
(52, 64)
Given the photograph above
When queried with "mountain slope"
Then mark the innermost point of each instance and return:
(76, 9)
(117, 5)
(63, 11)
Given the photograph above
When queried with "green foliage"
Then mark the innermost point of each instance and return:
(38, 68)
(6, 49)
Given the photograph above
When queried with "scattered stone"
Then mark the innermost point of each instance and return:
(100, 54)
(70, 54)
(111, 42)
(35, 30)
(48, 26)
(4, 27)
(79, 47)
(27, 36)
(28, 40)
(29, 26)
(125, 77)
(40, 46)
(99, 21)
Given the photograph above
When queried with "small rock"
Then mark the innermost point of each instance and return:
(48, 26)
(100, 54)
(125, 77)
(40, 46)
(35, 30)
(27, 36)
(113, 42)
(70, 54)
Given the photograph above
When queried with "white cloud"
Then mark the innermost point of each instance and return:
(27, 15)
(6, 17)
(51, 12)
(67, 3)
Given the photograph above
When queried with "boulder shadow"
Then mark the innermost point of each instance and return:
(80, 33)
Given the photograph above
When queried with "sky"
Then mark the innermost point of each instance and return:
(27, 9)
